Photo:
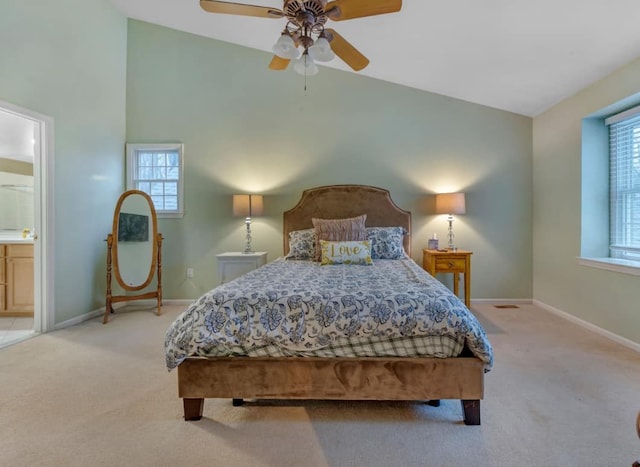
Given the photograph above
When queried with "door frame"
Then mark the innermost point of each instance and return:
(43, 198)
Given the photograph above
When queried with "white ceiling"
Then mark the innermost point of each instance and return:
(516, 55)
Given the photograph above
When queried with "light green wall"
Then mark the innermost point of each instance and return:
(249, 129)
(67, 59)
(606, 299)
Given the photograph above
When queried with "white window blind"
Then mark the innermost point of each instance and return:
(157, 170)
(624, 182)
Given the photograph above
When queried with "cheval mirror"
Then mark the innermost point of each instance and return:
(134, 251)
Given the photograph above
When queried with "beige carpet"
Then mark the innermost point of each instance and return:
(99, 395)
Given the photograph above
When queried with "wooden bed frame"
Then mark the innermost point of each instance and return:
(428, 379)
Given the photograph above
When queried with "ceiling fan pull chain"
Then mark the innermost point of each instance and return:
(305, 73)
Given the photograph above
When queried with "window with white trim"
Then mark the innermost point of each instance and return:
(157, 169)
(624, 184)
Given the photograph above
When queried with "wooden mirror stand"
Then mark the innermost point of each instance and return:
(134, 241)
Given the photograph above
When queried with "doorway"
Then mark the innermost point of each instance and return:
(23, 134)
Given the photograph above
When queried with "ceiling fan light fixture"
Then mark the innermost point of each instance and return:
(306, 66)
(285, 47)
(321, 50)
(305, 29)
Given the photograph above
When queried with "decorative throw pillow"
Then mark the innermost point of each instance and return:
(349, 229)
(302, 244)
(386, 242)
(346, 252)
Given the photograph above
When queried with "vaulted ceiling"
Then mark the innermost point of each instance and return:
(516, 55)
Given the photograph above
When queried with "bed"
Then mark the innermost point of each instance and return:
(291, 364)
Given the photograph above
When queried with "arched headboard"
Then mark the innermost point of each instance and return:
(342, 201)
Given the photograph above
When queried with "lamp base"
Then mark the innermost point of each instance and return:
(450, 235)
(247, 248)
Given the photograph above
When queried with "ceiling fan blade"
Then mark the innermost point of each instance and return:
(339, 10)
(279, 63)
(343, 49)
(213, 6)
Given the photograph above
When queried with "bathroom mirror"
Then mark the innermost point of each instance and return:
(134, 251)
(16, 201)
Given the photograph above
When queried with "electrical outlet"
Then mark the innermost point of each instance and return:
(190, 273)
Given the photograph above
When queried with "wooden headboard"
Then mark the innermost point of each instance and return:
(341, 201)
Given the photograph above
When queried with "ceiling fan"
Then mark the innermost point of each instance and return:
(304, 36)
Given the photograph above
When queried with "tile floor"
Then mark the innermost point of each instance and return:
(14, 330)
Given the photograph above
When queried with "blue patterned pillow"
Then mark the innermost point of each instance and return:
(302, 244)
(386, 242)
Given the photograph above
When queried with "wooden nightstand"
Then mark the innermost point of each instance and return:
(459, 261)
(235, 263)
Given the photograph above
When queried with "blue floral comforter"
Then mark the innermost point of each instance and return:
(302, 306)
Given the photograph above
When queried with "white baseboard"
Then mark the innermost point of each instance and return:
(188, 301)
(502, 301)
(84, 317)
(590, 326)
(179, 301)
(171, 301)
(99, 312)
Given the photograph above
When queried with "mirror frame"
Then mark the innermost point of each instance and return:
(114, 233)
(112, 260)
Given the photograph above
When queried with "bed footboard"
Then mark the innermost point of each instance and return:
(332, 378)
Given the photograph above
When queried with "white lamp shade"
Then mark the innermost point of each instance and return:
(321, 51)
(247, 205)
(285, 47)
(450, 203)
(306, 66)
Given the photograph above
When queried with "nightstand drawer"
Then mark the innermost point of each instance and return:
(450, 265)
(454, 262)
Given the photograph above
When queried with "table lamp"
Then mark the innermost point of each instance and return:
(450, 204)
(247, 206)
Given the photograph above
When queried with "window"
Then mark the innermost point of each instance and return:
(157, 170)
(624, 184)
